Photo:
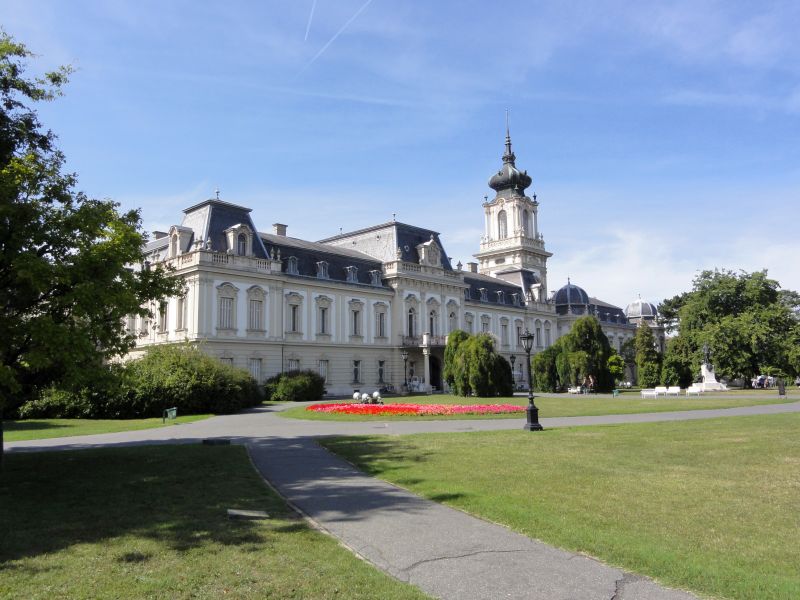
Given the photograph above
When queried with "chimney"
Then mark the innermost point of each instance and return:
(159, 234)
(472, 267)
(280, 229)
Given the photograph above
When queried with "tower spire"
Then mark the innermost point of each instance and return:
(508, 157)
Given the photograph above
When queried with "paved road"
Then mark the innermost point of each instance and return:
(443, 551)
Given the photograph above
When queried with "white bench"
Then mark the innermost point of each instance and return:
(574, 390)
(674, 390)
(649, 394)
(661, 390)
(693, 389)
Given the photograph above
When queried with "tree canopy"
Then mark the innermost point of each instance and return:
(749, 324)
(648, 360)
(66, 276)
(472, 366)
(582, 353)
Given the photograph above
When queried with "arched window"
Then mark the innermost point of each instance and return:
(173, 249)
(412, 322)
(241, 242)
(453, 322)
(526, 223)
(502, 225)
(432, 322)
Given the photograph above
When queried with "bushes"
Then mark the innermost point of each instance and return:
(167, 376)
(473, 367)
(295, 386)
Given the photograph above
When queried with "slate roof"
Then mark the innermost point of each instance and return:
(492, 285)
(309, 253)
(408, 238)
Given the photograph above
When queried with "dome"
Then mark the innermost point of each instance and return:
(571, 295)
(509, 178)
(639, 309)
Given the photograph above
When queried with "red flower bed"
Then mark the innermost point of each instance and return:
(353, 408)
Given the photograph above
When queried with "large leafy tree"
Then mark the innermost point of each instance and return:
(648, 360)
(584, 351)
(473, 366)
(749, 324)
(66, 281)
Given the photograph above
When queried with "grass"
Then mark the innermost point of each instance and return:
(37, 429)
(557, 405)
(150, 522)
(712, 506)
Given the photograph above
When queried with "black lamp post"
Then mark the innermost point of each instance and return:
(513, 359)
(531, 412)
(404, 355)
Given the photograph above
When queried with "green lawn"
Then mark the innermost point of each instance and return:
(712, 506)
(558, 405)
(37, 429)
(151, 522)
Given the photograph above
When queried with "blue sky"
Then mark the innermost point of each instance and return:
(662, 138)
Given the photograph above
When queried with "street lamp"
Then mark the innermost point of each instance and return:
(531, 412)
(404, 355)
(513, 359)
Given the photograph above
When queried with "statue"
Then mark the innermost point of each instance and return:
(279, 254)
(272, 255)
(710, 383)
(399, 253)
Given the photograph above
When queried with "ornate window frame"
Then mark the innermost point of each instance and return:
(256, 293)
(323, 306)
(227, 323)
(356, 319)
(293, 327)
(233, 235)
(381, 309)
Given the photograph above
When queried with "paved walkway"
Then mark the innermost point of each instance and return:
(445, 552)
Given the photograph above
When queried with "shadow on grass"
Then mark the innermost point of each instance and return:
(177, 495)
(32, 425)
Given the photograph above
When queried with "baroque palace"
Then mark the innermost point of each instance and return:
(353, 305)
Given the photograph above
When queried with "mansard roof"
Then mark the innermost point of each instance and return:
(308, 254)
(476, 281)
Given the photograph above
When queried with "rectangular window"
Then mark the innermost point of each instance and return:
(180, 314)
(504, 334)
(356, 371)
(255, 317)
(323, 370)
(470, 326)
(255, 369)
(539, 337)
(381, 325)
(295, 318)
(547, 339)
(356, 322)
(226, 361)
(225, 313)
(519, 334)
(381, 370)
(130, 326)
(323, 319)
(485, 326)
(162, 318)
(293, 364)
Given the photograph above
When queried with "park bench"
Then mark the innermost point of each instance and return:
(674, 390)
(661, 390)
(649, 394)
(693, 389)
(574, 390)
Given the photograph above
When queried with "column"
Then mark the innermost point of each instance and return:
(426, 352)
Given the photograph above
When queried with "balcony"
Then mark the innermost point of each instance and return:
(423, 341)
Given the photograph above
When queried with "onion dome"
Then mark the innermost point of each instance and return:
(571, 295)
(639, 309)
(510, 181)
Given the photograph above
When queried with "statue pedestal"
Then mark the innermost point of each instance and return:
(710, 383)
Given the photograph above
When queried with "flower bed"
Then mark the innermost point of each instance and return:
(352, 408)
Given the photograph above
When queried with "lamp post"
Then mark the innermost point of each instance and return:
(404, 355)
(513, 359)
(531, 412)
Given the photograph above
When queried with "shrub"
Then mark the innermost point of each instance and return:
(57, 404)
(184, 377)
(295, 386)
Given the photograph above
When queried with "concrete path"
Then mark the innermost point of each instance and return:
(445, 552)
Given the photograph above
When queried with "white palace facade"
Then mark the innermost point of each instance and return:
(350, 306)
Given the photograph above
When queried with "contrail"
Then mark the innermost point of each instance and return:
(335, 35)
(310, 18)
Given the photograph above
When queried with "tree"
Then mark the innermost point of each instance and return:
(475, 367)
(648, 361)
(749, 324)
(676, 368)
(616, 367)
(65, 260)
(450, 369)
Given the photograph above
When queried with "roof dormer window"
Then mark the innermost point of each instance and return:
(484, 294)
(352, 274)
(322, 269)
(501, 297)
(375, 278)
(291, 266)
